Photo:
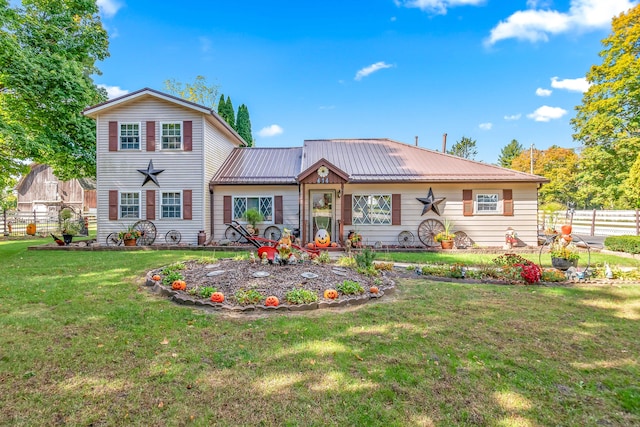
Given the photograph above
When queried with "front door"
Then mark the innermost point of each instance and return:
(322, 213)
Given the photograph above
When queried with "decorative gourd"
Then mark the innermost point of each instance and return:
(310, 245)
(331, 294)
(31, 229)
(156, 277)
(566, 229)
(217, 297)
(271, 301)
(179, 285)
(374, 290)
(334, 245)
(322, 238)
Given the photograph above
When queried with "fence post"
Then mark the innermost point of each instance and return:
(4, 222)
(593, 223)
(637, 222)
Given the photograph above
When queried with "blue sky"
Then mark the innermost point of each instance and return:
(490, 70)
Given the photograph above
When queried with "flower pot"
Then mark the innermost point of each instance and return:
(67, 238)
(130, 242)
(563, 264)
(446, 244)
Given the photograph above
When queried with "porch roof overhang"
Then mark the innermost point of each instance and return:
(335, 176)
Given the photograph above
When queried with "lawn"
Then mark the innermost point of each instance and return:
(82, 342)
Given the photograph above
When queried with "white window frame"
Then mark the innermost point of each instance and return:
(265, 221)
(356, 220)
(478, 203)
(181, 205)
(120, 136)
(163, 136)
(120, 205)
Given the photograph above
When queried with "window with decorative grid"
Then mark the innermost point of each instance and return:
(171, 205)
(486, 203)
(263, 204)
(371, 209)
(129, 136)
(171, 136)
(129, 205)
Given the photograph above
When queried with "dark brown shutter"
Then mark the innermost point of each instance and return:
(277, 207)
(151, 136)
(346, 209)
(113, 136)
(113, 205)
(396, 212)
(507, 202)
(187, 204)
(226, 209)
(151, 204)
(467, 202)
(188, 135)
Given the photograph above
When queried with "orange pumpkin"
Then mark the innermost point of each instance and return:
(331, 294)
(374, 290)
(334, 245)
(271, 301)
(156, 277)
(31, 229)
(217, 297)
(310, 245)
(179, 285)
(323, 239)
(566, 229)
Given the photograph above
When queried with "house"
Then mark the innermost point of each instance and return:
(42, 192)
(179, 165)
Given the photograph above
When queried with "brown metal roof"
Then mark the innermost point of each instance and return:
(260, 166)
(384, 160)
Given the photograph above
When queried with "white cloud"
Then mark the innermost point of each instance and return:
(546, 113)
(513, 117)
(364, 72)
(109, 7)
(543, 92)
(269, 131)
(114, 91)
(485, 126)
(536, 25)
(574, 85)
(437, 6)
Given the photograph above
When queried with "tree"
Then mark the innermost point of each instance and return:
(632, 185)
(509, 152)
(222, 108)
(465, 148)
(230, 115)
(48, 50)
(243, 125)
(607, 124)
(199, 91)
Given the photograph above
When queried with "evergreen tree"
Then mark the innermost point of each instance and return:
(230, 115)
(243, 125)
(465, 148)
(509, 152)
(222, 108)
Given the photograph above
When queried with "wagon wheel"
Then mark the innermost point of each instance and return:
(272, 233)
(427, 231)
(173, 237)
(461, 240)
(113, 240)
(232, 234)
(406, 238)
(147, 230)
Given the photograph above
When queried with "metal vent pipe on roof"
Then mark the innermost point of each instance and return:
(416, 140)
(444, 143)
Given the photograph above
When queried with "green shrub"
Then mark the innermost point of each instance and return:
(349, 287)
(324, 257)
(365, 258)
(383, 266)
(207, 291)
(628, 244)
(170, 277)
(435, 270)
(300, 296)
(248, 297)
(553, 275)
(346, 261)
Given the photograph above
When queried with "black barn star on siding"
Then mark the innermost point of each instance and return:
(150, 173)
(430, 203)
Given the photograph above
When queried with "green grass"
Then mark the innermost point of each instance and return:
(82, 342)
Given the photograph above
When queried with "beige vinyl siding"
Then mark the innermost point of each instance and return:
(289, 195)
(182, 169)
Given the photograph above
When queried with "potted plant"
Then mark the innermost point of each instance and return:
(129, 235)
(68, 227)
(253, 217)
(564, 254)
(446, 236)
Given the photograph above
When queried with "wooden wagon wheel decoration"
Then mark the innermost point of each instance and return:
(147, 231)
(461, 240)
(406, 239)
(427, 231)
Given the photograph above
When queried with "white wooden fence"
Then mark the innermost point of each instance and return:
(596, 222)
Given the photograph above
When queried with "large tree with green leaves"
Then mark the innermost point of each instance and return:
(199, 91)
(509, 152)
(607, 123)
(48, 50)
(243, 125)
(466, 148)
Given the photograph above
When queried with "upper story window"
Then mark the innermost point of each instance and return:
(129, 205)
(371, 209)
(129, 136)
(486, 203)
(263, 204)
(171, 136)
(171, 205)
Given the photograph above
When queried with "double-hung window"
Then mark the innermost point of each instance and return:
(371, 209)
(171, 136)
(129, 136)
(264, 205)
(486, 203)
(130, 205)
(171, 205)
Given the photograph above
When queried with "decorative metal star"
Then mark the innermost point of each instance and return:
(430, 203)
(150, 173)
